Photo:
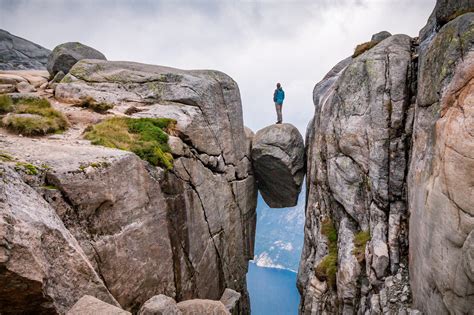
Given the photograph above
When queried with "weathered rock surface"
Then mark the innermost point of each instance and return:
(89, 305)
(43, 269)
(278, 161)
(442, 170)
(197, 306)
(373, 115)
(230, 298)
(19, 54)
(64, 56)
(160, 305)
(187, 233)
(357, 146)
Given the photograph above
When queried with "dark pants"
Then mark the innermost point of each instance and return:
(278, 110)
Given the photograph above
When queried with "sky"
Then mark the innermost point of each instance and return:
(256, 42)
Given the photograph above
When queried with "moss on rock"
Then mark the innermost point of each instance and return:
(327, 267)
(146, 137)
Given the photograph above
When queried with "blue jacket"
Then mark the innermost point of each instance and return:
(279, 96)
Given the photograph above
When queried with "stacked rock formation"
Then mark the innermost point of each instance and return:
(389, 148)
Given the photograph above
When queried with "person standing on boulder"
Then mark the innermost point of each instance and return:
(278, 97)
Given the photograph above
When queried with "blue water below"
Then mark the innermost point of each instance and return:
(272, 291)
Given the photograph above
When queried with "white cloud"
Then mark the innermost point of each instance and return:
(257, 42)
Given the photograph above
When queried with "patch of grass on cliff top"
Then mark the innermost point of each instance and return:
(360, 240)
(146, 137)
(327, 268)
(362, 48)
(31, 116)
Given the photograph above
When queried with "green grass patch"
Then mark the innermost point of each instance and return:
(327, 268)
(360, 240)
(98, 107)
(50, 187)
(5, 157)
(28, 168)
(146, 137)
(360, 49)
(33, 117)
(6, 104)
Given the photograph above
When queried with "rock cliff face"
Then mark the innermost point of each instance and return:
(19, 54)
(389, 211)
(79, 219)
(441, 187)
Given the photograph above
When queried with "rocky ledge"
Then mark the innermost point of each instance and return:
(82, 219)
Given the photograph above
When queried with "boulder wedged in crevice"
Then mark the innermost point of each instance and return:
(278, 162)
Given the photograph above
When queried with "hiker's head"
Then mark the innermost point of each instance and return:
(278, 85)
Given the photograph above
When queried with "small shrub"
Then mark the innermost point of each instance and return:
(360, 240)
(360, 49)
(327, 267)
(34, 116)
(98, 107)
(143, 136)
(6, 104)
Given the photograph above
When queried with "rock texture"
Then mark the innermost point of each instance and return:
(19, 54)
(43, 269)
(141, 231)
(89, 305)
(278, 160)
(390, 153)
(357, 147)
(442, 170)
(64, 56)
(160, 305)
(192, 307)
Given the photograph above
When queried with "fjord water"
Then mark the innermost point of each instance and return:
(271, 279)
(272, 291)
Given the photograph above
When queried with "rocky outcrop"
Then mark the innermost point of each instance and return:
(89, 305)
(442, 168)
(389, 174)
(43, 268)
(278, 161)
(19, 54)
(187, 232)
(357, 148)
(64, 56)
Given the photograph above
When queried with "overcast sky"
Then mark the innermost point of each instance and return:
(256, 42)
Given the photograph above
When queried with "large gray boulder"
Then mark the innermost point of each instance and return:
(66, 55)
(160, 305)
(20, 54)
(278, 161)
(199, 306)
